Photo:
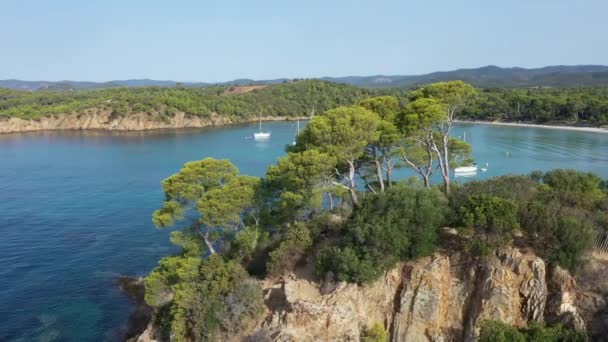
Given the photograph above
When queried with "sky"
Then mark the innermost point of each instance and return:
(212, 41)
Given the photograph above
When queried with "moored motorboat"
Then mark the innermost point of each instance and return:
(466, 169)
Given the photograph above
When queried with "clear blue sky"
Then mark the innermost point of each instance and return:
(208, 40)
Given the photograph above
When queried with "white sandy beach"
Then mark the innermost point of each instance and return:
(515, 124)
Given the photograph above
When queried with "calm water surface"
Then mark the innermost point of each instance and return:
(75, 210)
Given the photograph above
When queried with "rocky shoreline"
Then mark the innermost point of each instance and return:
(104, 120)
(443, 297)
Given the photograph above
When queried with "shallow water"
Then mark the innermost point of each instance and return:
(75, 210)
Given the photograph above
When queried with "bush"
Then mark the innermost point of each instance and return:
(515, 188)
(559, 234)
(290, 250)
(495, 331)
(375, 333)
(491, 219)
(193, 294)
(574, 188)
(242, 304)
(399, 224)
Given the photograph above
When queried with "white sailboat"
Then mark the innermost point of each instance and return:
(297, 132)
(471, 169)
(261, 135)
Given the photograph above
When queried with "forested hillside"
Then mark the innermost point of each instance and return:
(570, 105)
(289, 99)
(573, 106)
(487, 76)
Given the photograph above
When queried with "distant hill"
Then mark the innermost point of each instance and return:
(493, 76)
(484, 77)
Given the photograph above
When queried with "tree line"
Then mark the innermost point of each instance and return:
(290, 99)
(333, 200)
(543, 105)
(588, 106)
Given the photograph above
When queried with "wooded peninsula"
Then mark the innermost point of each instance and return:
(566, 106)
(331, 212)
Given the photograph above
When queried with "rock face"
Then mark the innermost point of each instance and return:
(592, 297)
(104, 120)
(437, 298)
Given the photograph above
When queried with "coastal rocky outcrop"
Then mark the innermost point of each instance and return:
(98, 119)
(443, 297)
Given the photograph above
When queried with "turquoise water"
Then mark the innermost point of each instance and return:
(75, 210)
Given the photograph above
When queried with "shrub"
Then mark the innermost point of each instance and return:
(559, 234)
(242, 304)
(193, 294)
(495, 331)
(290, 250)
(491, 219)
(375, 333)
(399, 224)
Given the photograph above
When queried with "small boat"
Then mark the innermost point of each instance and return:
(465, 174)
(261, 135)
(466, 169)
(297, 132)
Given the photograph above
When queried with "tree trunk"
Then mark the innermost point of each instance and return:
(330, 197)
(427, 182)
(446, 162)
(379, 174)
(389, 172)
(208, 243)
(443, 168)
(351, 179)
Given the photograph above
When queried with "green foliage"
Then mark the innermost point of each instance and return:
(570, 105)
(574, 187)
(491, 219)
(197, 291)
(245, 242)
(219, 194)
(242, 304)
(386, 107)
(453, 94)
(299, 179)
(290, 250)
(519, 189)
(341, 133)
(561, 219)
(421, 114)
(496, 331)
(399, 224)
(290, 99)
(375, 333)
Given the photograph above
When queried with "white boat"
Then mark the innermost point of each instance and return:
(465, 174)
(261, 135)
(466, 169)
(297, 132)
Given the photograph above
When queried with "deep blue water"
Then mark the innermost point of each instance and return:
(75, 210)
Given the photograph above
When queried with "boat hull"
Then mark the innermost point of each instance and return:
(261, 136)
(465, 169)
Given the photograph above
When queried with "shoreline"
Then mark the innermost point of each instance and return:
(132, 124)
(531, 125)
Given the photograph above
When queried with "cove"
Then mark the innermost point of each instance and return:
(76, 209)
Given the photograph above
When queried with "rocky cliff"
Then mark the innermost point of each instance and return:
(104, 120)
(443, 297)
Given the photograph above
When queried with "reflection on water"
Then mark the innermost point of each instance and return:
(76, 209)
